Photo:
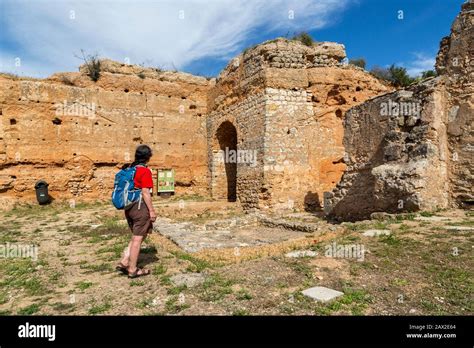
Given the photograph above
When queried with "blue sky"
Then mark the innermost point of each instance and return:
(38, 38)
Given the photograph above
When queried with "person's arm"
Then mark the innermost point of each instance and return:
(147, 199)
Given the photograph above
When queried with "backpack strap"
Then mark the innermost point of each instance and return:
(141, 197)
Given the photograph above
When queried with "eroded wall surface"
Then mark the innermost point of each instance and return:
(287, 102)
(75, 133)
(419, 155)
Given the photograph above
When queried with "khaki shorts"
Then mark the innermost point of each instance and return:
(139, 219)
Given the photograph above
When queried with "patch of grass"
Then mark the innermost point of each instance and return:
(243, 295)
(115, 249)
(55, 276)
(390, 240)
(462, 223)
(353, 300)
(404, 228)
(427, 214)
(355, 226)
(3, 298)
(159, 270)
(177, 290)
(399, 282)
(215, 288)
(34, 287)
(101, 308)
(137, 283)
(302, 268)
(197, 264)
(83, 285)
(174, 306)
(20, 274)
(240, 312)
(432, 308)
(145, 303)
(29, 310)
(165, 280)
(380, 225)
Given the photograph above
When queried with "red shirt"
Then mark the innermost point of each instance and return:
(143, 178)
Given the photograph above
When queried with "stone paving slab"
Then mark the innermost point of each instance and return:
(375, 233)
(432, 218)
(459, 228)
(195, 237)
(188, 279)
(301, 253)
(322, 294)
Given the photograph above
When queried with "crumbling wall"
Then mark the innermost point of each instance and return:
(455, 62)
(75, 133)
(306, 100)
(412, 149)
(287, 101)
(396, 155)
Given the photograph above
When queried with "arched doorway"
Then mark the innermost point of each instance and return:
(225, 162)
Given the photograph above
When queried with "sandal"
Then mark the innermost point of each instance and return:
(139, 273)
(121, 268)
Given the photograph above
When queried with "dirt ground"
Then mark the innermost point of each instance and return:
(424, 266)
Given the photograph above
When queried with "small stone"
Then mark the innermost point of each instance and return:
(322, 294)
(412, 311)
(156, 301)
(301, 253)
(188, 279)
(459, 228)
(374, 233)
(431, 218)
(379, 216)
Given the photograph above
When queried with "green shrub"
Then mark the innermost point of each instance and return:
(304, 38)
(360, 62)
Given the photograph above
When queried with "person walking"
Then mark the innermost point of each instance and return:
(140, 215)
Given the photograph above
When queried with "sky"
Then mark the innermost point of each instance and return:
(41, 37)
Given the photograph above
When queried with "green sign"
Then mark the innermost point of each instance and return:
(165, 180)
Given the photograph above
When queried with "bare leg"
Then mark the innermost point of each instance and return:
(135, 245)
(126, 255)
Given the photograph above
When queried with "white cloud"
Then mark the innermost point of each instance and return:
(421, 63)
(46, 37)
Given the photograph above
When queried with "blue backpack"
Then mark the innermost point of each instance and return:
(125, 193)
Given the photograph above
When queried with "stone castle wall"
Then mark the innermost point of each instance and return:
(296, 125)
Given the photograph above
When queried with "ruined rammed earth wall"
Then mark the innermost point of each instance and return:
(78, 148)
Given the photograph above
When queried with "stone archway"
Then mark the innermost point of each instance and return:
(224, 185)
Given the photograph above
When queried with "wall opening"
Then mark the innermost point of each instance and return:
(225, 162)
